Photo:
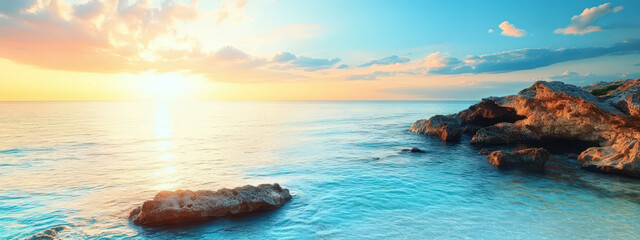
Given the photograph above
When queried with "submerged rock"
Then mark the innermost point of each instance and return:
(48, 234)
(413, 150)
(184, 205)
(530, 158)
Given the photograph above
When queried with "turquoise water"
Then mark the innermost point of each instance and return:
(86, 165)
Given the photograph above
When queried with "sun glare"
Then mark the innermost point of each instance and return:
(166, 86)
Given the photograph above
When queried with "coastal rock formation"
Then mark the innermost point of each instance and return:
(48, 234)
(451, 127)
(184, 205)
(626, 97)
(603, 116)
(447, 128)
(530, 158)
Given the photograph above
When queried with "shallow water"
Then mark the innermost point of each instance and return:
(86, 165)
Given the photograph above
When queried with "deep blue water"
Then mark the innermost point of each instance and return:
(86, 165)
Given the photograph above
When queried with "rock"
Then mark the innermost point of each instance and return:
(448, 128)
(530, 158)
(484, 151)
(604, 84)
(572, 156)
(502, 134)
(626, 98)
(185, 206)
(451, 127)
(563, 116)
(621, 157)
(487, 113)
(413, 150)
(48, 234)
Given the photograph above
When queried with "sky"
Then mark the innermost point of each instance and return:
(95, 50)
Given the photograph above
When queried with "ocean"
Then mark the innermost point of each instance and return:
(86, 165)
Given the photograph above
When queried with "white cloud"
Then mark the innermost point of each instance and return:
(437, 59)
(509, 29)
(231, 9)
(490, 31)
(585, 22)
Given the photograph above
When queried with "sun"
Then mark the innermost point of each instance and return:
(166, 86)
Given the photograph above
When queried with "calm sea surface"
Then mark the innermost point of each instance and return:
(87, 165)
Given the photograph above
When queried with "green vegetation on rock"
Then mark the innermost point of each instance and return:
(601, 91)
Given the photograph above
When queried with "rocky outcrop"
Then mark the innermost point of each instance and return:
(451, 127)
(626, 98)
(185, 206)
(530, 159)
(448, 128)
(559, 113)
(48, 234)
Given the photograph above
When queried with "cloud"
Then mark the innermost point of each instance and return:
(532, 58)
(583, 79)
(287, 60)
(370, 76)
(386, 61)
(509, 29)
(585, 22)
(437, 59)
(343, 66)
(88, 10)
(229, 53)
(233, 9)
(490, 31)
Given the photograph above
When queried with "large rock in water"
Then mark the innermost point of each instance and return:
(563, 114)
(451, 127)
(530, 158)
(185, 206)
(447, 128)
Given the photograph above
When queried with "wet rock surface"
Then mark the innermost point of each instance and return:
(187, 206)
(530, 159)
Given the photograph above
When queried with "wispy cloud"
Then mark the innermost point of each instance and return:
(510, 30)
(287, 60)
(585, 22)
(532, 58)
(386, 61)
